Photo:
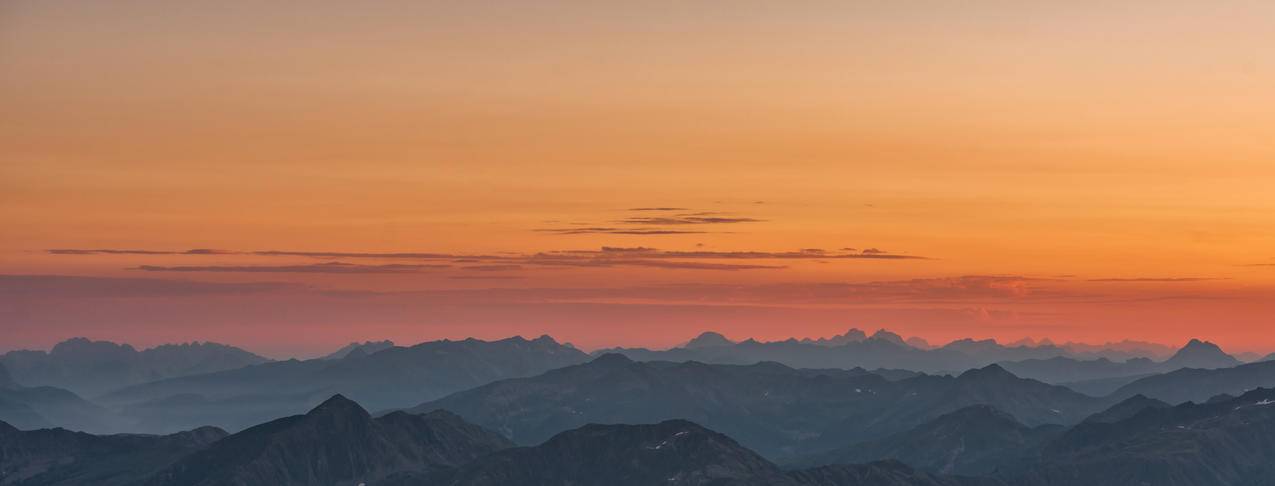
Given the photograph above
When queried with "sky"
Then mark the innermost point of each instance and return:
(632, 173)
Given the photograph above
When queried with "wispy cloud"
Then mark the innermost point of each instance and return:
(77, 251)
(1156, 279)
(607, 256)
(597, 230)
(804, 254)
(64, 286)
(330, 267)
(685, 220)
(492, 268)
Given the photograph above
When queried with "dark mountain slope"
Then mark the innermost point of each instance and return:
(881, 473)
(64, 458)
(366, 347)
(1225, 443)
(974, 440)
(336, 443)
(671, 452)
(1199, 385)
(1126, 409)
(776, 410)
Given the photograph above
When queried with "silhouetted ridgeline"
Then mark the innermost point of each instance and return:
(1230, 441)
(90, 368)
(777, 410)
(393, 377)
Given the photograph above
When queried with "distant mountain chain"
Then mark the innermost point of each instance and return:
(776, 410)
(105, 387)
(91, 368)
(854, 409)
(1227, 441)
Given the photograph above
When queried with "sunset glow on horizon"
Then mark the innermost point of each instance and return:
(290, 180)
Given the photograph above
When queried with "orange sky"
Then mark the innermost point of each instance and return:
(1081, 170)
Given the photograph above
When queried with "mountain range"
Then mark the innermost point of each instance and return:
(394, 377)
(1200, 385)
(337, 442)
(1228, 441)
(1044, 361)
(45, 406)
(90, 368)
(776, 410)
(1102, 376)
(1225, 442)
(366, 347)
(975, 440)
(64, 458)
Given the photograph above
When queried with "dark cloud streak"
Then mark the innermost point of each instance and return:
(331, 267)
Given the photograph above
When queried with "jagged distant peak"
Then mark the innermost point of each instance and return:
(919, 343)
(709, 339)
(83, 344)
(885, 335)
(338, 405)
(1202, 354)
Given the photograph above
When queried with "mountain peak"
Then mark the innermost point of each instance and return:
(884, 335)
(338, 405)
(1201, 354)
(81, 345)
(611, 359)
(709, 339)
(989, 372)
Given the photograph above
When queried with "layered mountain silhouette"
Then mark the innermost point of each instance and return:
(1228, 442)
(1225, 442)
(671, 452)
(90, 368)
(1140, 441)
(1201, 354)
(1125, 409)
(1041, 360)
(39, 407)
(337, 442)
(851, 336)
(365, 348)
(1103, 376)
(708, 340)
(65, 458)
(975, 440)
(1199, 385)
(395, 377)
(776, 410)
